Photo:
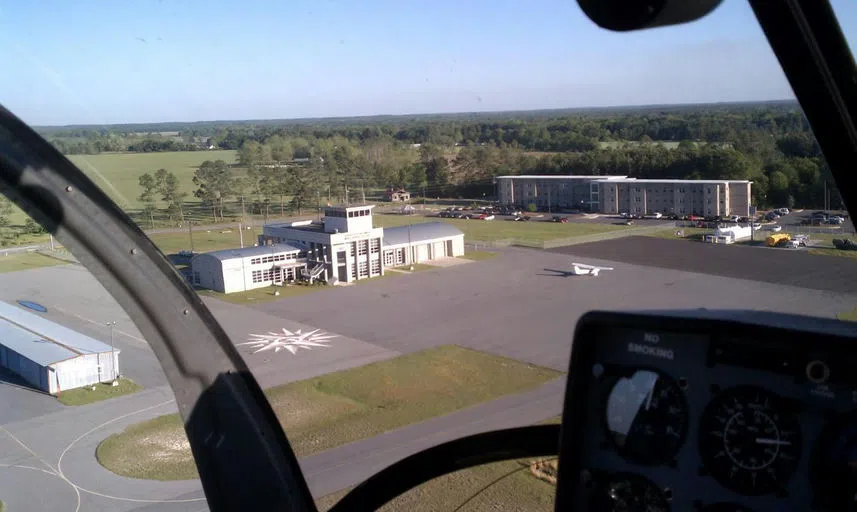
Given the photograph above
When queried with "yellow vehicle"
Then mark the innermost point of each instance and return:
(777, 239)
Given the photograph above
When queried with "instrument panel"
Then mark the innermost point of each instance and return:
(708, 415)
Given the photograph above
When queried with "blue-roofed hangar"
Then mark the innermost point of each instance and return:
(50, 357)
(343, 247)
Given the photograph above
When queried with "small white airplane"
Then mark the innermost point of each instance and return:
(582, 269)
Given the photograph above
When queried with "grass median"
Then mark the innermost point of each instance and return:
(25, 261)
(101, 391)
(535, 232)
(341, 407)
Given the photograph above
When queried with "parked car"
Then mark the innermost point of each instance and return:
(694, 217)
(624, 215)
(836, 219)
(557, 218)
(782, 211)
(520, 218)
(775, 228)
(186, 254)
(795, 244)
(656, 215)
(485, 216)
(772, 216)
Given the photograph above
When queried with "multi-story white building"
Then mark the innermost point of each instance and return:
(343, 247)
(620, 194)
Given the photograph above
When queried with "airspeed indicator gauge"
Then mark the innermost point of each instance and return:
(646, 417)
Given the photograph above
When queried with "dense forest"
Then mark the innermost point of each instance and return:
(293, 163)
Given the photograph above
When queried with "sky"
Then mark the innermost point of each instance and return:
(139, 61)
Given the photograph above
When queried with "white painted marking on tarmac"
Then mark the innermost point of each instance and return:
(101, 324)
(108, 422)
(54, 470)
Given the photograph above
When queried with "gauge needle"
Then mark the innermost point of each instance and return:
(650, 395)
(765, 440)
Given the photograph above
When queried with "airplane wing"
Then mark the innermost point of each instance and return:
(583, 266)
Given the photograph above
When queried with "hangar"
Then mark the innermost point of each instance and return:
(51, 357)
(342, 247)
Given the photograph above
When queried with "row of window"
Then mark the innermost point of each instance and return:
(272, 258)
(276, 275)
(358, 213)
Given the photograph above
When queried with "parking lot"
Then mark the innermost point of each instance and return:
(800, 218)
(521, 216)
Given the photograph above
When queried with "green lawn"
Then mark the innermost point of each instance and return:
(117, 173)
(479, 255)
(499, 230)
(689, 233)
(103, 391)
(204, 241)
(850, 316)
(342, 407)
(25, 261)
(262, 294)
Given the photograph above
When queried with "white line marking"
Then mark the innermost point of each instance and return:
(55, 471)
(101, 324)
(108, 422)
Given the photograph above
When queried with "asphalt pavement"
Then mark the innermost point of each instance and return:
(522, 304)
(791, 268)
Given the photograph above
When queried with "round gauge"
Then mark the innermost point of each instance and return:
(628, 492)
(834, 464)
(725, 507)
(646, 417)
(749, 440)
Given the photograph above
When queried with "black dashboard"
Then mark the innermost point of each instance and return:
(715, 412)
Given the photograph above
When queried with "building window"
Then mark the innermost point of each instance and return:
(400, 257)
(353, 271)
(257, 276)
(376, 267)
(388, 258)
(362, 247)
(255, 261)
(364, 269)
(375, 245)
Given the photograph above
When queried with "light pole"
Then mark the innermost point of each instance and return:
(410, 248)
(112, 324)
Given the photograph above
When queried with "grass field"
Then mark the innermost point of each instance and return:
(204, 241)
(117, 173)
(850, 316)
(341, 407)
(25, 261)
(689, 233)
(261, 294)
(499, 230)
(103, 391)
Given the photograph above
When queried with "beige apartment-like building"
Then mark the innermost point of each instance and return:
(620, 194)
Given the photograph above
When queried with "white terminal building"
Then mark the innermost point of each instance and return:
(50, 357)
(342, 247)
(621, 194)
